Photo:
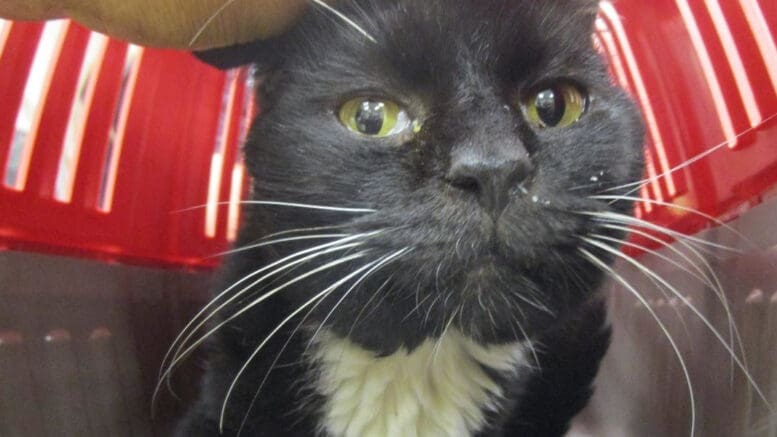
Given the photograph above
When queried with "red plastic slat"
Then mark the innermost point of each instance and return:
(55, 113)
(15, 62)
(98, 125)
(230, 154)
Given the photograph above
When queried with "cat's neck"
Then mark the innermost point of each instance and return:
(444, 387)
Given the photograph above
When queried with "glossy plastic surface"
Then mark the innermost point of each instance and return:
(705, 75)
(102, 157)
(160, 131)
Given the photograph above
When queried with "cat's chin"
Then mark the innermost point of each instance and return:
(486, 269)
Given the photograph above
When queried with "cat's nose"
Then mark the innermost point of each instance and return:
(491, 179)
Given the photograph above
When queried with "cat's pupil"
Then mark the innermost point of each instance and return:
(550, 107)
(370, 117)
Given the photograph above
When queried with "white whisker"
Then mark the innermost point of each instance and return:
(666, 293)
(288, 340)
(377, 265)
(680, 208)
(702, 278)
(706, 272)
(278, 241)
(532, 348)
(622, 218)
(439, 341)
(605, 268)
(264, 342)
(322, 247)
(347, 20)
(369, 301)
(274, 365)
(179, 356)
(287, 204)
(298, 230)
(319, 3)
(245, 289)
(533, 303)
(639, 184)
(209, 20)
(650, 273)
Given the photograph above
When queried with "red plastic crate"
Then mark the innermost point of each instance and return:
(155, 132)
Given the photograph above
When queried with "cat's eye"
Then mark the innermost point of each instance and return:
(559, 105)
(374, 117)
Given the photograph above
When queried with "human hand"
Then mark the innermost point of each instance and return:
(183, 24)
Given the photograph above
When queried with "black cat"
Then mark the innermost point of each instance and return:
(415, 263)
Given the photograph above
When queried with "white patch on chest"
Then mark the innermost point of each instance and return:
(439, 389)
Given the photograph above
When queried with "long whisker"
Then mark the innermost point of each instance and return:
(253, 275)
(520, 327)
(380, 263)
(274, 364)
(291, 336)
(707, 272)
(280, 326)
(607, 269)
(289, 339)
(733, 330)
(417, 306)
(366, 305)
(622, 218)
(691, 306)
(532, 347)
(178, 357)
(287, 204)
(209, 20)
(439, 341)
(277, 241)
(299, 230)
(245, 289)
(533, 303)
(320, 3)
(639, 184)
(680, 208)
(703, 279)
(347, 20)
(264, 297)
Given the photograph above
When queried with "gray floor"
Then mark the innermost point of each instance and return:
(81, 342)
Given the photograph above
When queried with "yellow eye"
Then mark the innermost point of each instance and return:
(559, 105)
(374, 117)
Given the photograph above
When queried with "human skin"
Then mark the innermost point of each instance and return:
(181, 24)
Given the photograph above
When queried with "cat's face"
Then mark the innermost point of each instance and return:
(475, 130)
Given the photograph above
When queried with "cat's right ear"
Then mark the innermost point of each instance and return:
(263, 53)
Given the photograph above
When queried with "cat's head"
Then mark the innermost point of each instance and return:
(457, 143)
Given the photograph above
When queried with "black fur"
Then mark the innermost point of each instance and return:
(459, 66)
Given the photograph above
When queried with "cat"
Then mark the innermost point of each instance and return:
(413, 259)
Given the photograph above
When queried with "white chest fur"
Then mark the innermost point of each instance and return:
(440, 389)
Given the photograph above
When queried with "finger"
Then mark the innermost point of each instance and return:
(31, 9)
(168, 23)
